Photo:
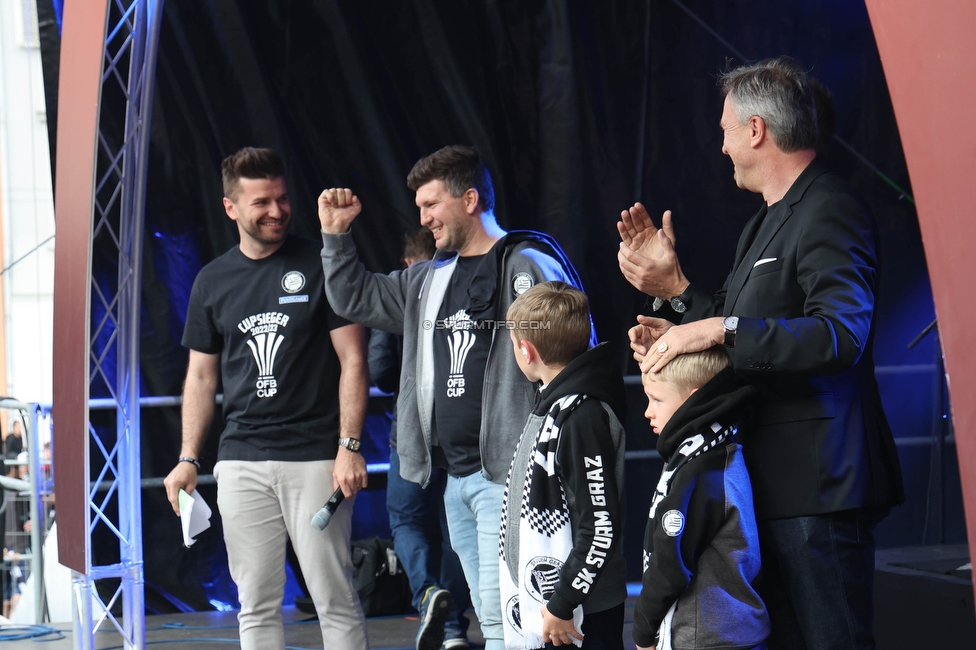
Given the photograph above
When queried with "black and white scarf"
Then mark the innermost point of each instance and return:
(545, 536)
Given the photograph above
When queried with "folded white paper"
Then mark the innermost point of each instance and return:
(194, 516)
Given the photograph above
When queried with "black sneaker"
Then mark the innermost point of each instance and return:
(434, 610)
(305, 606)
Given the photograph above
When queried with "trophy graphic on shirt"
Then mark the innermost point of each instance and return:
(264, 343)
(461, 340)
(264, 347)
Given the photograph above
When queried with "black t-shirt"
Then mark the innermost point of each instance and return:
(774, 213)
(270, 322)
(460, 356)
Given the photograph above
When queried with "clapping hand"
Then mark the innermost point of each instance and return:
(639, 234)
(647, 258)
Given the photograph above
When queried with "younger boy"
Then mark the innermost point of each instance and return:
(701, 547)
(562, 566)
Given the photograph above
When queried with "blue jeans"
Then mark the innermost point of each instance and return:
(818, 579)
(414, 511)
(474, 515)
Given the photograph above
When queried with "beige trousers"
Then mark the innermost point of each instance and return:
(262, 503)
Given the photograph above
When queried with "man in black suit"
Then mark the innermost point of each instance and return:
(796, 316)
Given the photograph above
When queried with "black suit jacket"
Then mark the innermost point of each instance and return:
(803, 286)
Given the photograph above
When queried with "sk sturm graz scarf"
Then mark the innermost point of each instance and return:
(545, 537)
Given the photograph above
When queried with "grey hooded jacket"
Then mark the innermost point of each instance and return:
(407, 302)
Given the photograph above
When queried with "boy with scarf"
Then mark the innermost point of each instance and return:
(562, 566)
(701, 546)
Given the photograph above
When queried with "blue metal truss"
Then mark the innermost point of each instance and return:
(128, 76)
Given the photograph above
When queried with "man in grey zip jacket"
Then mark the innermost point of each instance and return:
(491, 268)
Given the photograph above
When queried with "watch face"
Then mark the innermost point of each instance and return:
(349, 443)
(730, 323)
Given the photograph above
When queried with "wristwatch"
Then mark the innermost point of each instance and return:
(731, 323)
(677, 304)
(352, 444)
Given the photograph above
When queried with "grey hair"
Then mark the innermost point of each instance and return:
(782, 94)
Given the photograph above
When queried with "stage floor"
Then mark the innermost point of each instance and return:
(921, 601)
(208, 630)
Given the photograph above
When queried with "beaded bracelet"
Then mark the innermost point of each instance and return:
(187, 459)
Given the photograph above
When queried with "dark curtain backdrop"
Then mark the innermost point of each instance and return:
(580, 109)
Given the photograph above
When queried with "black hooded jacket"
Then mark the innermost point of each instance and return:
(592, 430)
(701, 546)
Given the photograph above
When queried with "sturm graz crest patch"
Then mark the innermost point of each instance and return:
(513, 613)
(673, 522)
(521, 283)
(293, 281)
(541, 576)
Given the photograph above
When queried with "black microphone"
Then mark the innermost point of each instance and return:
(321, 518)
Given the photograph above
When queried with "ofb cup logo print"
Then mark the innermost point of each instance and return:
(459, 343)
(264, 343)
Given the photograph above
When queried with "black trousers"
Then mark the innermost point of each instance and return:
(602, 630)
